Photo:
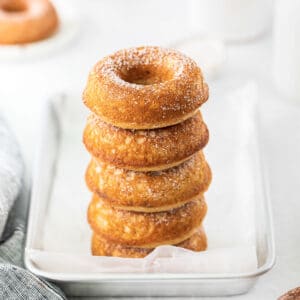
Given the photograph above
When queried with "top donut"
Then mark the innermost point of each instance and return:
(145, 87)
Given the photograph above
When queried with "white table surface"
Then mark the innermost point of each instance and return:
(108, 25)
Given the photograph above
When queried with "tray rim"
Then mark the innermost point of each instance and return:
(98, 277)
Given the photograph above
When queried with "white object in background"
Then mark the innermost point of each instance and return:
(287, 47)
(208, 53)
(233, 20)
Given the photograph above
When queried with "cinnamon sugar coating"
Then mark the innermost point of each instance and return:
(149, 191)
(146, 230)
(145, 150)
(145, 87)
(104, 247)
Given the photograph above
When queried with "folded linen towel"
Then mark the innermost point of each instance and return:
(16, 282)
(11, 172)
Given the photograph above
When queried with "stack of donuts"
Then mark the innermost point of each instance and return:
(145, 134)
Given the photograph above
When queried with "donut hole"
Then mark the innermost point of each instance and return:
(147, 74)
(16, 6)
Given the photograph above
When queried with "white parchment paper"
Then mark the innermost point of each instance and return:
(230, 222)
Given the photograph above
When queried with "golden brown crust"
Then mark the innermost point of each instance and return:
(149, 191)
(293, 294)
(145, 87)
(145, 150)
(26, 21)
(146, 230)
(104, 247)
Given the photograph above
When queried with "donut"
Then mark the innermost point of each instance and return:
(145, 87)
(146, 230)
(26, 21)
(149, 191)
(293, 294)
(104, 247)
(145, 150)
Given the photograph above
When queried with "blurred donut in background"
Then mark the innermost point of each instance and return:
(26, 21)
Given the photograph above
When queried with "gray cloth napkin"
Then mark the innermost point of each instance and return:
(15, 281)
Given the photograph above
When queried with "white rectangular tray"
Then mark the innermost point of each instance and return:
(142, 284)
